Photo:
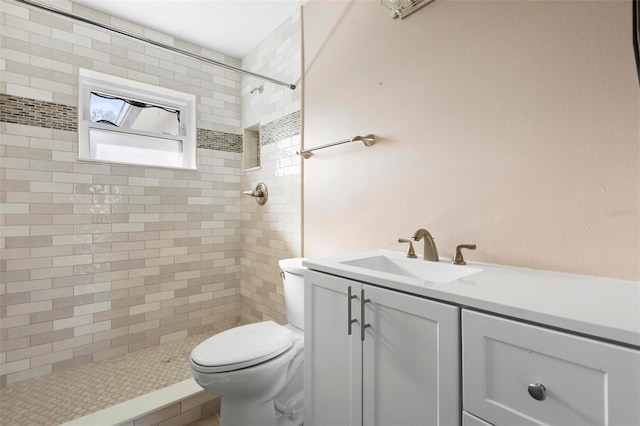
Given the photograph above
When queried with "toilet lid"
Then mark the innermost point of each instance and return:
(242, 347)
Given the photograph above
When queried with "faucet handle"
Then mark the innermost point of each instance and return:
(411, 254)
(458, 259)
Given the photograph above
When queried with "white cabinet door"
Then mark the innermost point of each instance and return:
(333, 358)
(471, 420)
(410, 360)
(586, 382)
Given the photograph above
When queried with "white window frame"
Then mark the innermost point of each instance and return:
(93, 81)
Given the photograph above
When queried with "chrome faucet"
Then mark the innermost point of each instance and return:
(430, 250)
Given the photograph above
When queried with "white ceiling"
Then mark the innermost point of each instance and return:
(232, 27)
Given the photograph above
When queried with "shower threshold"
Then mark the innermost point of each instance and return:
(178, 404)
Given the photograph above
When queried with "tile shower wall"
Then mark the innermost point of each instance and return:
(272, 232)
(99, 260)
(279, 57)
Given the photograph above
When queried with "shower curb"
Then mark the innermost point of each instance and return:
(181, 403)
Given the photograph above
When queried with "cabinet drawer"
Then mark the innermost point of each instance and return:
(586, 382)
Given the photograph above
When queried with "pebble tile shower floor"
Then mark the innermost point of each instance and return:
(61, 397)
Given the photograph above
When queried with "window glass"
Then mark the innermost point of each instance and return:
(130, 114)
(124, 148)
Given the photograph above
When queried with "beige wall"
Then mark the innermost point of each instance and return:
(512, 125)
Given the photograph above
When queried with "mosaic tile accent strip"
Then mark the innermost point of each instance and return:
(32, 112)
(61, 397)
(220, 141)
(282, 128)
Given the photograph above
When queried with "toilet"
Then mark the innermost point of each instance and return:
(256, 369)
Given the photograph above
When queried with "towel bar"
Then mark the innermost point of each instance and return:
(367, 140)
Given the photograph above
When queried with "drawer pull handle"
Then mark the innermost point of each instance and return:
(537, 391)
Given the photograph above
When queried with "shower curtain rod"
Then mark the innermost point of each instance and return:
(154, 43)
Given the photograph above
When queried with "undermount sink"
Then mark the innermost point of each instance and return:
(438, 272)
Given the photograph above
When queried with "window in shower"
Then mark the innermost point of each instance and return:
(128, 122)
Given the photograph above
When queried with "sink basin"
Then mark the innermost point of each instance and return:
(438, 272)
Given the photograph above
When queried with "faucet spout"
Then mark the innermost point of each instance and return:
(430, 251)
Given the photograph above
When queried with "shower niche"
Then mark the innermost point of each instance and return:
(251, 148)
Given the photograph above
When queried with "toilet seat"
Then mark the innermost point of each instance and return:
(293, 265)
(241, 347)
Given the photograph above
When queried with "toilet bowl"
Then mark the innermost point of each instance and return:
(256, 369)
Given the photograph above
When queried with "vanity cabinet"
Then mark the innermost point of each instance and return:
(517, 373)
(480, 346)
(374, 356)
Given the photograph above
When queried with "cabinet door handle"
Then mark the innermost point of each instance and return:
(537, 391)
(350, 297)
(362, 322)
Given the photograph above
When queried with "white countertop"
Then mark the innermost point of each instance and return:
(602, 307)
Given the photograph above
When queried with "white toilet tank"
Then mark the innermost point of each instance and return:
(293, 279)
